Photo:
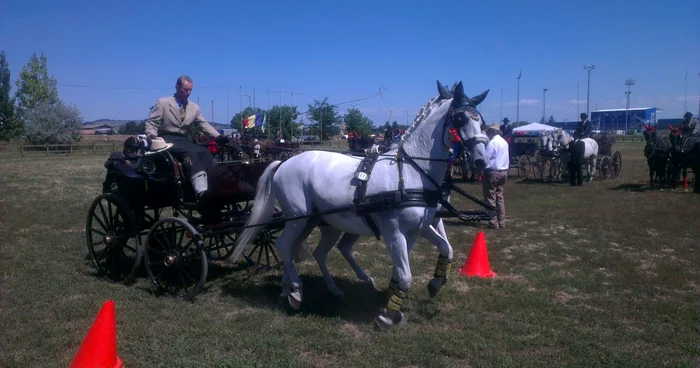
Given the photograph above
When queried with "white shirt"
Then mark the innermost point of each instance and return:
(497, 154)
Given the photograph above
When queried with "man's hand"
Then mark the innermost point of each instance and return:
(149, 138)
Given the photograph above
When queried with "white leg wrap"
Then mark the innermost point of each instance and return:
(199, 182)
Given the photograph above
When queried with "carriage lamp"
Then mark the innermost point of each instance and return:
(147, 167)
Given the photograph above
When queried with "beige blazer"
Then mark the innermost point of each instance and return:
(165, 119)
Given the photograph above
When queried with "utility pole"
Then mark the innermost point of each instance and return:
(212, 111)
(227, 111)
(685, 96)
(501, 103)
(517, 114)
(544, 103)
(629, 83)
(588, 67)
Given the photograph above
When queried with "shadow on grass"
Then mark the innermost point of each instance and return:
(362, 302)
(639, 188)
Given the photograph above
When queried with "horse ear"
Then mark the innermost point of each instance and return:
(459, 96)
(444, 93)
(476, 100)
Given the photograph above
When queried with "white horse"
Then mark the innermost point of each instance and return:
(402, 192)
(590, 152)
(549, 154)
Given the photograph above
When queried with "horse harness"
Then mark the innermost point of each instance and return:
(364, 205)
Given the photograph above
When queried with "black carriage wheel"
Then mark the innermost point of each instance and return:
(605, 168)
(617, 164)
(175, 258)
(545, 168)
(262, 252)
(220, 246)
(113, 238)
(523, 167)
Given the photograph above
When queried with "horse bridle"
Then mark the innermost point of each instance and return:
(456, 118)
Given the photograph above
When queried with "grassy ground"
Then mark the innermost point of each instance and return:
(604, 274)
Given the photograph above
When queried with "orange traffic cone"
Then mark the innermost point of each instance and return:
(99, 349)
(477, 264)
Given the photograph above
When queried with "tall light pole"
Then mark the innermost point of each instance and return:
(588, 67)
(249, 100)
(544, 103)
(501, 103)
(629, 83)
(517, 113)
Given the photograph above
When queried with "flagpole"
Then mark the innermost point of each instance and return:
(280, 122)
(254, 105)
(291, 127)
(227, 110)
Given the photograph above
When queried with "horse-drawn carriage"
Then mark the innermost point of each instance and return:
(608, 161)
(146, 194)
(148, 214)
(524, 150)
(248, 148)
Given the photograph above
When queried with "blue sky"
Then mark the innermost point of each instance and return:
(348, 50)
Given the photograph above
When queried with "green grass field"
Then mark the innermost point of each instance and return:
(601, 275)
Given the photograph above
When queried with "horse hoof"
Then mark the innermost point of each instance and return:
(435, 285)
(386, 320)
(294, 301)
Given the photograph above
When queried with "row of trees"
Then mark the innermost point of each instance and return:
(35, 114)
(324, 121)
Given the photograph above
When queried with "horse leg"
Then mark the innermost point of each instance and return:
(591, 168)
(401, 274)
(685, 178)
(329, 236)
(295, 232)
(436, 235)
(345, 247)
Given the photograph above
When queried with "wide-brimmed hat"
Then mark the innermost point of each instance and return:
(584, 115)
(495, 128)
(506, 120)
(688, 115)
(158, 145)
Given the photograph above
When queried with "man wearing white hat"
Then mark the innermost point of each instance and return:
(171, 118)
(496, 174)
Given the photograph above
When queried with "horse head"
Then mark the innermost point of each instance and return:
(467, 120)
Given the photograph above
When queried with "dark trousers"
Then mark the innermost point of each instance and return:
(575, 173)
(195, 158)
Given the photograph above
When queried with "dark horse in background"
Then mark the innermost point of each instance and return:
(685, 153)
(656, 151)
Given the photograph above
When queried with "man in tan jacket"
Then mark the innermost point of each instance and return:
(171, 118)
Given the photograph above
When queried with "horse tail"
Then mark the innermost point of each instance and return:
(261, 214)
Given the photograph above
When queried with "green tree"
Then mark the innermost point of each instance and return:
(10, 125)
(551, 119)
(278, 117)
(35, 86)
(356, 122)
(133, 128)
(52, 123)
(325, 119)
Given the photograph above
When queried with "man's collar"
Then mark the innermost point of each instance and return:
(177, 100)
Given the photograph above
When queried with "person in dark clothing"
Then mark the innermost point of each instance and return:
(506, 128)
(687, 125)
(577, 149)
(584, 128)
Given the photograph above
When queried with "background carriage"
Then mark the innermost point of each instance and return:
(524, 151)
(609, 160)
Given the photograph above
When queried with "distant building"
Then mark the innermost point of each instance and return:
(614, 120)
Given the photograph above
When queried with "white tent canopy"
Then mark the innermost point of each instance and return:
(534, 127)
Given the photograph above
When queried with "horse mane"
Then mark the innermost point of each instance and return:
(420, 116)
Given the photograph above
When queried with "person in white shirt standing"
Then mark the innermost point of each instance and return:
(496, 174)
